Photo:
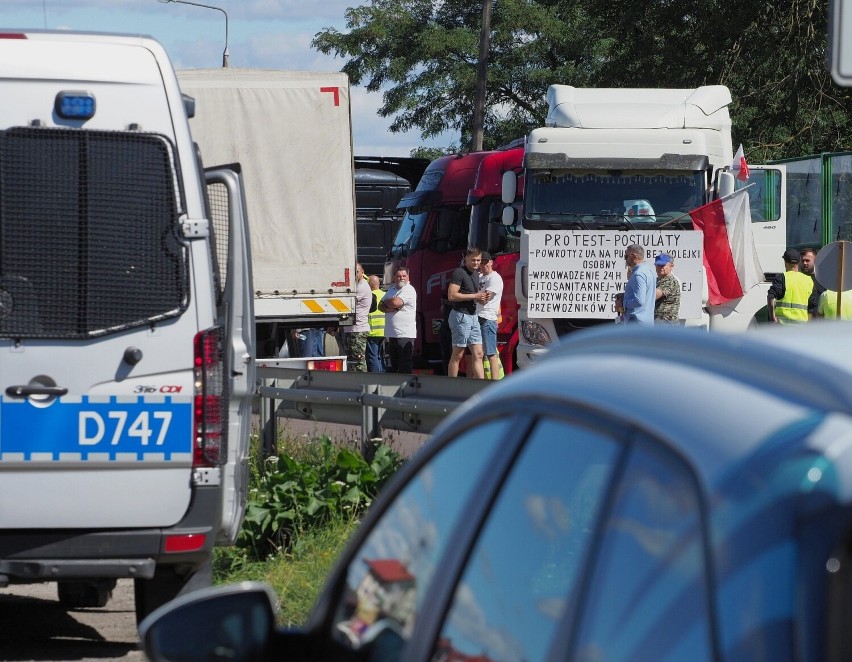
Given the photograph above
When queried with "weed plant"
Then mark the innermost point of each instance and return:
(304, 504)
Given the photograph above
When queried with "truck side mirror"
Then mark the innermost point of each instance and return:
(725, 184)
(508, 215)
(510, 187)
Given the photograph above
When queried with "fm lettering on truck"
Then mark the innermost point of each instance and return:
(114, 429)
(439, 281)
(577, 274)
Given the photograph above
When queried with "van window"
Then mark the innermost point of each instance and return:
(89, 234)
(218, 205)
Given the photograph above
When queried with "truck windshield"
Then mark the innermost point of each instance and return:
(487, 231)
(593, 199)
(410, 231)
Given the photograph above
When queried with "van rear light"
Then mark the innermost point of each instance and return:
(210, 411)
(12, 35)
(335, 365)
(186, 542)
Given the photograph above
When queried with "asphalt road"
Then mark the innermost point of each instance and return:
(36, 627)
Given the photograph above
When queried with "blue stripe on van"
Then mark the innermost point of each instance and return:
(97, 429)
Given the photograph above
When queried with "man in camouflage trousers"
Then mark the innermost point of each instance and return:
(355, 337)
(667, 305)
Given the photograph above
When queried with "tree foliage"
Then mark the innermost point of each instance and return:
(432, 153)
(421, 55)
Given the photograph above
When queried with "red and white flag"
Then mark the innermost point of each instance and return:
(730, 257)
(739, 166)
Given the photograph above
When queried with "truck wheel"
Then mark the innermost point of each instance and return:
(85, 594)
(167, 584)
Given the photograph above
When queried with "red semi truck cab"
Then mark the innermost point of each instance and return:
(431, 242)
(488, 232)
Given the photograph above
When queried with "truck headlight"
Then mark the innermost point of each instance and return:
(534, 333)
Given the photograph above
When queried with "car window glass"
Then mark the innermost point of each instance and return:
(391, 573)
(648, 599)
(514, 589)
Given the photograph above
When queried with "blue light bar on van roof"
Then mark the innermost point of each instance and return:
(75, 105)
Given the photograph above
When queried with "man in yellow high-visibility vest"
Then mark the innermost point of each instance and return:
(828, 305)
(787, 298)
(376, 337)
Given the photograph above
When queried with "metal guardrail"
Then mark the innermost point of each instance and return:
(373, 401)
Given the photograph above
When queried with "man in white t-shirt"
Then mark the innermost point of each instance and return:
(492, 282)
(399, 304)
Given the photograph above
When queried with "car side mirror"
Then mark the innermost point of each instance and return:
(222, 623)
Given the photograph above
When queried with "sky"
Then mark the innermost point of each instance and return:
(269, 34)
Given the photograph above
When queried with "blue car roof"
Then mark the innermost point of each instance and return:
(720, 400)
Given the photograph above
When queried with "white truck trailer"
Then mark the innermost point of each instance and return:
(614, 167)
(290, 131)
(126, 351)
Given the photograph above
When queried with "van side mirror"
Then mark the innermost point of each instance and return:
(509, 187)
(188, 105)
(725, 184)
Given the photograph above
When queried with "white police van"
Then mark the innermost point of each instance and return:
(126, 325)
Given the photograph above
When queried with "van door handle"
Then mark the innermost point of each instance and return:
(25, 390)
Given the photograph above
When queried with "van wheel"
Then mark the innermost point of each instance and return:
(85, 594)
(167, 584)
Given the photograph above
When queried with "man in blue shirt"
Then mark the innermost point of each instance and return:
(641, 290)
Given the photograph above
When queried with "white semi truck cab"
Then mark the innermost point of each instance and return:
(614, 167)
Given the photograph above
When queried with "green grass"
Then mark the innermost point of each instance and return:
(304, 506)
(298, 575)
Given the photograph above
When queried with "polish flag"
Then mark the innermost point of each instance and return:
(730, 257)
(739, 165)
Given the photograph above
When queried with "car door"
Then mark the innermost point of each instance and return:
(568, 501)
(479, 551)
(235, 306)
(520, 581)
(593, 549)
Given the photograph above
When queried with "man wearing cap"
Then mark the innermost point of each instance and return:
(667, 305)
(641, 290)
(788, 295)
(492, 283)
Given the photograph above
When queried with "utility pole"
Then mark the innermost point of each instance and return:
(481, 77)
(226, 55)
